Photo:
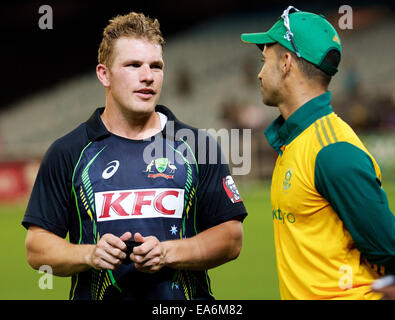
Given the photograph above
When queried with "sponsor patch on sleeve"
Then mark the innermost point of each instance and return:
(231, 189)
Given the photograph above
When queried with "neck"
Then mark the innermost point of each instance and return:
(130, 125)
(297, 97)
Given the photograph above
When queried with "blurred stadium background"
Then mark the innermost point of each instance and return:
(49, 87)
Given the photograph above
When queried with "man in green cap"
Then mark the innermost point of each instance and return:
(334, 231)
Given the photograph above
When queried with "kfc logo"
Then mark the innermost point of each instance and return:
(231, 189)
(142, 203)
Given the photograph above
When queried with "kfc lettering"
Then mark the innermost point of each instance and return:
(143, 203)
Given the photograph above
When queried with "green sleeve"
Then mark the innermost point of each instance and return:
(345, 177)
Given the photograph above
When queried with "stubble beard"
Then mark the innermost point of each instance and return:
(270, 99)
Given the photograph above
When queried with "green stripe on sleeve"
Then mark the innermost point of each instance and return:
(328, 121)
(317, 132)
(324, 131)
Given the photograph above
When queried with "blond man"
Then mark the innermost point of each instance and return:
(173, 213)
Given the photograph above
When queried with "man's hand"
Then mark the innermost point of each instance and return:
(208, 249)
(387, 292)
(109, 251)
(385, 286)
(147, 257)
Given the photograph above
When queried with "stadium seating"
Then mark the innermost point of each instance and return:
(211, 56)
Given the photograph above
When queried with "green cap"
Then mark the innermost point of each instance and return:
(312, 35)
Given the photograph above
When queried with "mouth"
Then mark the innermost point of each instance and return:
(145, 93)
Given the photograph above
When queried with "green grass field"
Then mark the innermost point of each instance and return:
(252, 276)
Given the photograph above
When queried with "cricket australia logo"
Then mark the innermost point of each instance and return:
(162, 165)
(287, 179)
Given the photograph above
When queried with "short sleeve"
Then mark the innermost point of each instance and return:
(218, 199)
(50, 201)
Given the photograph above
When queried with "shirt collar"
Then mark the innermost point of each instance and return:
(96, 130)
(281, 132)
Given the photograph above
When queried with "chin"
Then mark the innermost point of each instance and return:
(270, 103)
(270, 100)
(142, 107)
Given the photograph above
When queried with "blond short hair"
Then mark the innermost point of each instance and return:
(130, 25)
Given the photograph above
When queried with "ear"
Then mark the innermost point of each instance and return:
(103, 74)
(286, 63)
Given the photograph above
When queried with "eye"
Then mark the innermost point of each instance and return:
(134, 64)
(157, 66)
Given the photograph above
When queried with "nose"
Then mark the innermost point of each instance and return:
(260, 76)
(146, 74)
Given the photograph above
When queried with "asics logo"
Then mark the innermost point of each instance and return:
(110, 171)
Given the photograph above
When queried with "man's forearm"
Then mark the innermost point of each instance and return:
(65, 258)
(207, 249)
